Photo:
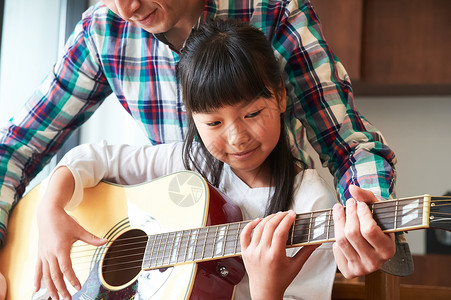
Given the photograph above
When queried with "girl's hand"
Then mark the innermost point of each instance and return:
(361, 247)
(269, 268)
(57, 232)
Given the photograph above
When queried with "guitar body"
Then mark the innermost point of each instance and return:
(180, 201)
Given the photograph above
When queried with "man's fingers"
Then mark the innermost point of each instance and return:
(362, 195)
(341, 240)
(352, 230)
(373, 234)
(361, 247)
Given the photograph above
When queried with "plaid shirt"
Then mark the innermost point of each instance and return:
(106, 54)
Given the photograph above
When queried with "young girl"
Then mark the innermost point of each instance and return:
(235, 100)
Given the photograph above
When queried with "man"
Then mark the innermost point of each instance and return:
(131, 47)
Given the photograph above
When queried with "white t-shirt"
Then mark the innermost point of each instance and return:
(125, 164)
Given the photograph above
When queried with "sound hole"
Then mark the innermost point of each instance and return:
(123, 259)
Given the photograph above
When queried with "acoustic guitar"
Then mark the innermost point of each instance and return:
(175, 237)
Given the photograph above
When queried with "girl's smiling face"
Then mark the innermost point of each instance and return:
(243, 135)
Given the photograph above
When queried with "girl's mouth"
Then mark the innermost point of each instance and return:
(243, 154)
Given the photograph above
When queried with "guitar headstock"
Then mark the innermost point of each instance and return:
(440, 213)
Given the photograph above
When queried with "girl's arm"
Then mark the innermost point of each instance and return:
(270, 270)
(57, 232)
(121, 164)
(3, 287)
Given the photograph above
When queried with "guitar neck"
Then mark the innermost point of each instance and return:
(220, 241)
(391, 216)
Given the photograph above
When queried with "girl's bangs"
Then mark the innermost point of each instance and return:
(226, 78)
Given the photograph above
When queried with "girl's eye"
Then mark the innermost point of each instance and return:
(216, 123)
(254, 114)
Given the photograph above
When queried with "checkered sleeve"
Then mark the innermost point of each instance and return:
(320, 96)
(66, 98)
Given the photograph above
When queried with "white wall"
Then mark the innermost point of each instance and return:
(30, 44)
(31, 40)
(418, 129)
(122, 128)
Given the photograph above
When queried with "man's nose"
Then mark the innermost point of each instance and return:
(127, 8)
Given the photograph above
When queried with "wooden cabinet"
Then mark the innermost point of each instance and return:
(430, 280)
(342, 27)
(402, 45)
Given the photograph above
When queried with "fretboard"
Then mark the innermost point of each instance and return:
(218, 241)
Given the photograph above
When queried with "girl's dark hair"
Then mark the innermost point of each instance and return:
(226, 62)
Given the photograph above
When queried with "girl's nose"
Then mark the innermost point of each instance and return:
(238, 134)
(127, 8)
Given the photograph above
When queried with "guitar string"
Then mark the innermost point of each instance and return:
(182, 244)
(299, 220)
(299, 224)
(170, 244)
(197, 231)
(200, 233)
(211, 245)
(306, 217)
(134, 267)
(160, 260)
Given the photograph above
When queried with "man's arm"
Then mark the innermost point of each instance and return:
(321, 109)
(321, 99)
(66, 98)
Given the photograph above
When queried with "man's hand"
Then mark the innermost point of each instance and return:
(361, 247)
